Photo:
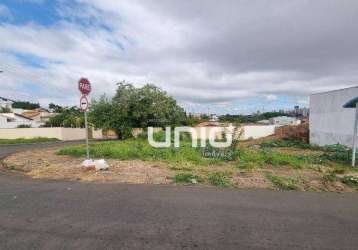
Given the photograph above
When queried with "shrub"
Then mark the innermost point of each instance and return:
(283, 183)
(226, 154)
(24, 126)
(330, 177)
(220, 179)
(186, 178)
(351, 181)
(247, 158)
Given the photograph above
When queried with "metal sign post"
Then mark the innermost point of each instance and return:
(87, 146)
(85, 87)
(355, 138)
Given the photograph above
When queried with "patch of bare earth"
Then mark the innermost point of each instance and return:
(47, 165)
(251, 180)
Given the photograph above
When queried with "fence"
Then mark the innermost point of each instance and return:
(64, 134)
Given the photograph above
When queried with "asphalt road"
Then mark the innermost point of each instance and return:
(38, 214)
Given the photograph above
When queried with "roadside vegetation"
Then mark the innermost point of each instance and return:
(27, 141)
(277, 164)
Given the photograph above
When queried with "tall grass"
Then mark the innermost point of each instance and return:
(140, 149)
(26, 141)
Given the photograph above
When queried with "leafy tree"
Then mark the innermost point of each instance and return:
(55, 108)
(25, 105)
(136, 107)
(69, 118)
(250, 118)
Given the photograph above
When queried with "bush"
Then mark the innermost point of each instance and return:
(351, 181)
(330, 177)
(187, 178)
(24, 126)
(289, 143)
(220, 179)
(247, 158)
(226, 154)
(283, 183)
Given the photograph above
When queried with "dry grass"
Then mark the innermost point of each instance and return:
(276, 169)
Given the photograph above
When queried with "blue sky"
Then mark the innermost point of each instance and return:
(248, 56)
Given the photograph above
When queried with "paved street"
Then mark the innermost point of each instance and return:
(38, 214)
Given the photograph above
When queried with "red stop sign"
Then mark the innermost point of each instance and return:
(84, 86)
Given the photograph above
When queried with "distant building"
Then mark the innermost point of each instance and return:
(266, 122)
(40, 116)
(284, 120)
(13, 120)
(5, 103)
(214, 118)
(330, 123)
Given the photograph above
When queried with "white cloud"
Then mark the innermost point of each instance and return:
(271, 97)
(243, 50)
(5, 12)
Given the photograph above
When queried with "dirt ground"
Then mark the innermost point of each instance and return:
(46, 164)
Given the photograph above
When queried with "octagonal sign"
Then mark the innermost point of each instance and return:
(84, 86)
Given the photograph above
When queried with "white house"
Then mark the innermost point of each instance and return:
(330, 123)
(5, 103)
(284, 121)
(13, 120)
(39, 116)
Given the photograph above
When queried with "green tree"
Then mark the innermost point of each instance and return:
(136, 107)
(55, 108)
(70, 117)
(25, 105)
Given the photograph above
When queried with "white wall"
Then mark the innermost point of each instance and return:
(245, 132)
(330, 123)
(65, 134)
(256, 131)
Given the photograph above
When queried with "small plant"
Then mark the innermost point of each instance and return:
(225, 154)
(186, 178)
(330, 178)
(24, 126)
(220, 179)
(351, 181)
(289, 143)
(283, 183)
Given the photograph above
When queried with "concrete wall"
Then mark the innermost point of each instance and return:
(245, 132)
(256, 132)
(72, 134)
(330, 123)
(65, 134)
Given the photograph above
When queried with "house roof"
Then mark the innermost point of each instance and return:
(33, 113)
(12, 115)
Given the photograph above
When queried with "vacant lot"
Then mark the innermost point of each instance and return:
(277, 164)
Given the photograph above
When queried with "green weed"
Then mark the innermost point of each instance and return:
(351, 181)
(220, 179)
(283, 183)
(25, 141)
(187, 178)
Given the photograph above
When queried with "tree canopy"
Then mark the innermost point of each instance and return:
(250, 118)
(25, 105)
(136, 107)
(68, 117)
